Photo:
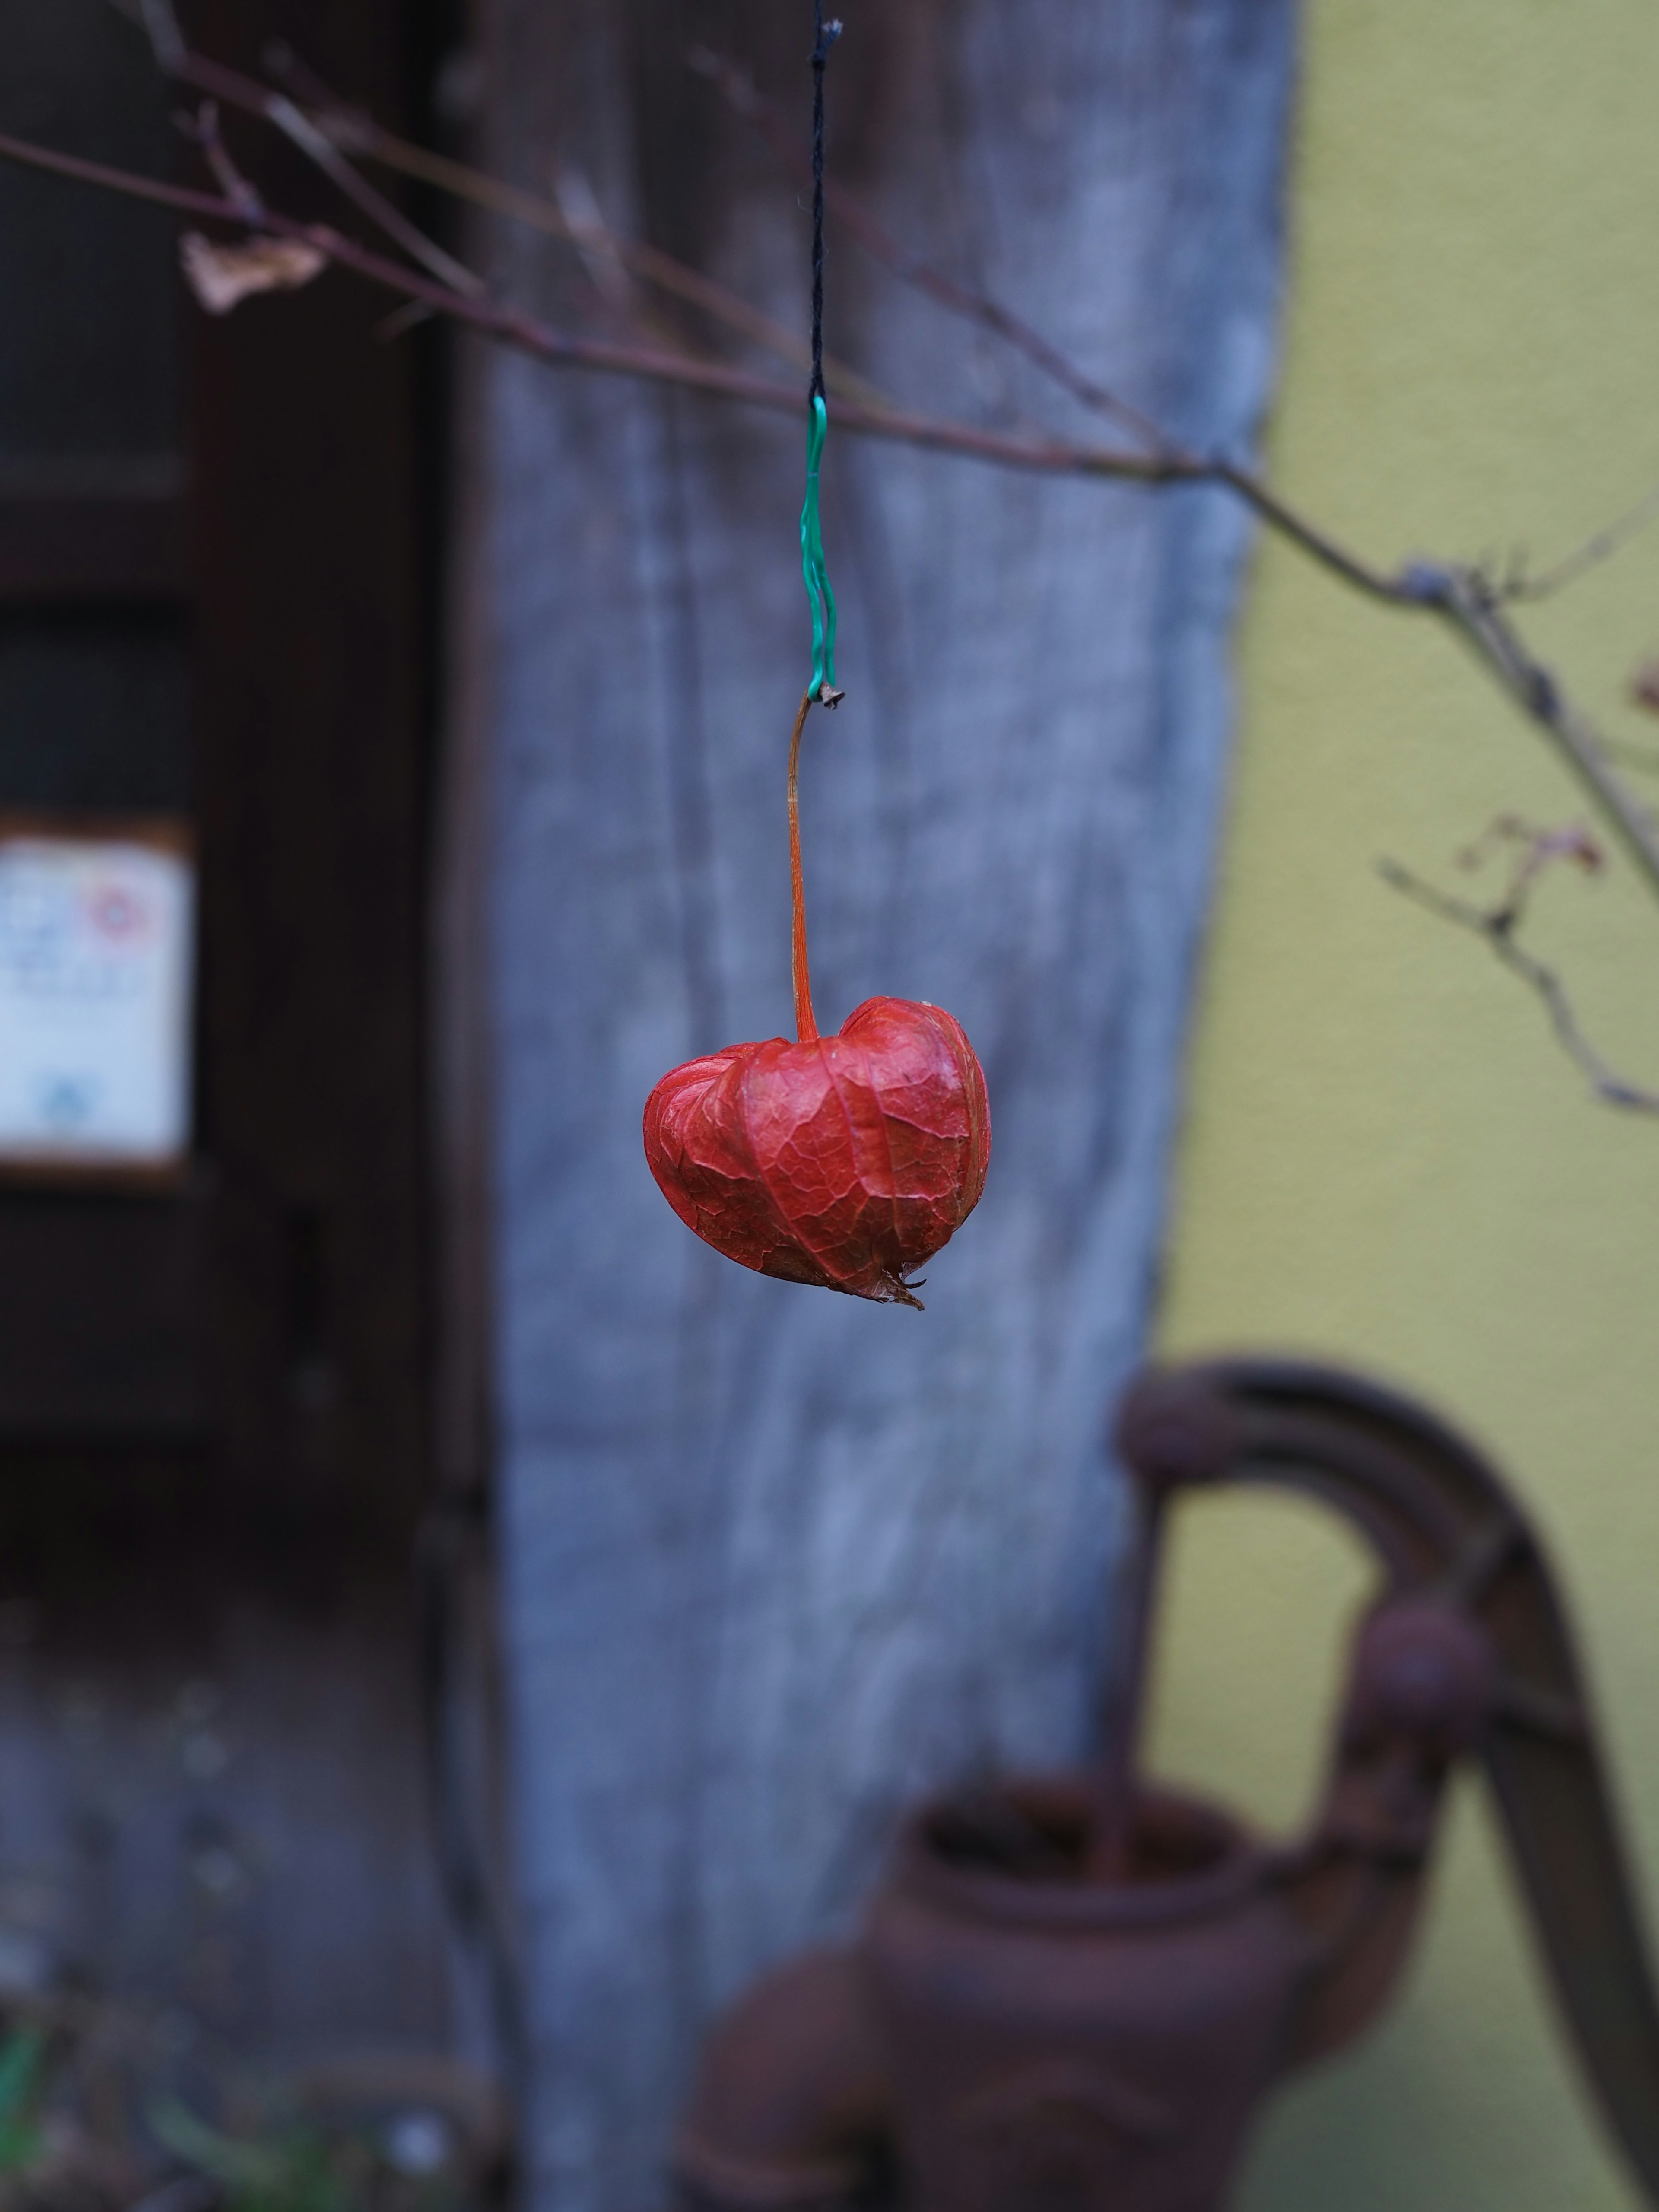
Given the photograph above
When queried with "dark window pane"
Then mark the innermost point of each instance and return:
(88, 282)
(95, 711)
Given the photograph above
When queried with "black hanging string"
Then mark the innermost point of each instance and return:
(819, 595)
(825, 35)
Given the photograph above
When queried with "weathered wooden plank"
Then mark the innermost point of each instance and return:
(774, 1560)
(210, 1790)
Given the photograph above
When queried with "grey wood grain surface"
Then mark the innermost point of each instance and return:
(775, 1561)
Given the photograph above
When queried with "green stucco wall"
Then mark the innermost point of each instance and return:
(1387, 1159)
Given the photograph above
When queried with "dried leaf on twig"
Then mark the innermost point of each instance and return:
(221, 276)
(1644, 687)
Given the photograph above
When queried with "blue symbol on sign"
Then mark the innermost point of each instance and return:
(66, 1101)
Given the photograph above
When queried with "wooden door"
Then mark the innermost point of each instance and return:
(217, 551)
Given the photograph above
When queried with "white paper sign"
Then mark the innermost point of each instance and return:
(96, 946)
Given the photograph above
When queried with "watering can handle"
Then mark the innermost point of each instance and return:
(1447, 1531)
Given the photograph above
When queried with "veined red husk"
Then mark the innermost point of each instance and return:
(846, 1162)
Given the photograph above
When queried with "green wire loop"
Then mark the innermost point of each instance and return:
(819, 595)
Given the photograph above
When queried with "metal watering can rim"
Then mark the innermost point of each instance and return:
(1233, 1867)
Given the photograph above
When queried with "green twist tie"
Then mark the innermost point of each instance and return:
(821, 599)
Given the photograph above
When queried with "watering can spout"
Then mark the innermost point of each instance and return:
(1073, 1993)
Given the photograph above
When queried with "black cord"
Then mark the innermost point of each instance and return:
(825, 35)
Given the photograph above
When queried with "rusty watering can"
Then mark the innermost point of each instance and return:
(1070, 1994)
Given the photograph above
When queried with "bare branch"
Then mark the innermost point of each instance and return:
(175, 59)
(1051, 456)
(355, 131)
(239, 91)
(1418, 585)
(1463, 598)
(741, 92)
(1496, 928)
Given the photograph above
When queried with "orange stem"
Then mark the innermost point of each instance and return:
(806, 1030)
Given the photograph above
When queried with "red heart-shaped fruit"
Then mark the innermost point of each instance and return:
(844, 1161)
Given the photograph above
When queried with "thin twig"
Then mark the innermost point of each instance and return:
(238, 91)
(159, 21)
(355, 131)
(614, 284)
(174, 58)
(1541, 850)
(1050, 456)
(1601, 547)
(202, 128)
(1497, 932)
(1468, 606)
(741, 94)
(310, 134)
(739, 91)
(305, 135)
(1416, 584)
(1463, 598)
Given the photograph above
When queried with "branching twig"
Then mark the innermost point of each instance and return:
(604, 267)
(238, 91)
(355, 131)
(1496, 927)
(741, 92)
(1541, 850)
(1053, 457)
(1464, 596)
(174, 58)
(311, 142)
(1467, 604)
(1461, 597)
